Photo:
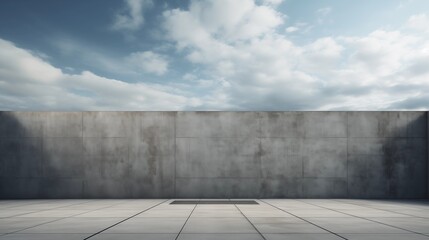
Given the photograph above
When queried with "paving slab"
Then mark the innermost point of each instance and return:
(271, 219)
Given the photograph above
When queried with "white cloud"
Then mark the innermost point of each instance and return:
(131, 64)
(132, 18)
(404, 4)
(89, 55)
(241, 61)
(24, 63)
(324, 11)
(29, 82)
(300, 27)
(419, 22)
(210, 29)
(266, 71)
(273, 2)
(325, 49)
(292, 29)
(382, 53)
(189, 77)
(148, 61)
(225, 19)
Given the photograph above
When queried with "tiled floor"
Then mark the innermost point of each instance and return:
(158, 220)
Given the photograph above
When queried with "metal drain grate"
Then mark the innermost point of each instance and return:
(214, 202)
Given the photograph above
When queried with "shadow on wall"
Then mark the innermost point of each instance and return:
(393, 164)
(29, 165)
(86, 155)
(21, 157)
(405, 161)
(57, 155)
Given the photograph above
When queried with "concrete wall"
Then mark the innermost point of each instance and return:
(213, 155)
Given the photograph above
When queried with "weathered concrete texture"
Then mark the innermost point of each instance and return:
(151, 154)
(390, 161)
(302, 154)
(217, 158)
(213, 154)
(87, 154)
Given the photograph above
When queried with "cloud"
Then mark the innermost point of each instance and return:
(132, 18)
(241, 59)
(210, 29)
(131, 64)
(419, 22)
(148, 61)
(300, 27)
(273, 2)
(324, 11)
(15, 63)
(323, 14)
(292, 29)
(227, 20)
(382, 53)
(29, 82)
(267, 71)
(404, 4)
(89, 55)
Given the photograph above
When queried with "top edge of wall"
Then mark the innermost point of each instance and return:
(223, 111)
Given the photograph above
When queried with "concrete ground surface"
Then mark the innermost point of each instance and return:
(156, 219)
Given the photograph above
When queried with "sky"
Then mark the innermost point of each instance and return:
(209, 55)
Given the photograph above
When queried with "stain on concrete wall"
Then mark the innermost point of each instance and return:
(213, 155)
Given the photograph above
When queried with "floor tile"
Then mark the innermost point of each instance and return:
(8, 225)
(315, 213)
(372, 213)
(74, 225)
(149, 225)
(131, 236)
(304, 236)
(217, 213)
(5, 213)
(55, 213)
(110, 213)
(385, 237)
(218, 225)
(220, 236)
(276, 220)
(31, 236)
(419, 225)
(165, 213)
(353, 225)
(265, 213)
(413, 212)
(288, 228)
(75, 219)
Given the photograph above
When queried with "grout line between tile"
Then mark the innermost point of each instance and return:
(177, 236)
(263, 237)
(58, 219)
(368, 219)
(386, 210)
(42, 210)
(28, 204)
(124, 220)
(336, 234)
(62, 218)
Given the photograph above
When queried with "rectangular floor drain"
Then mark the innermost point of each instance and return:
(214, 202)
